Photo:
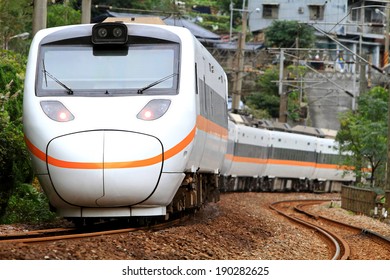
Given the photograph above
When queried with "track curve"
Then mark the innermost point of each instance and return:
(340, 249)
(347, 240)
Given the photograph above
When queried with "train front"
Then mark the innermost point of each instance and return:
(107, 129)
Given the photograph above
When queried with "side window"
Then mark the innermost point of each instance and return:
(196, 79)
(316, 12)
(270, 11)
(202, 97)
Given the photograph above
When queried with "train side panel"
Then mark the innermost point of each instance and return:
(327, 167)
(229, 155)
(329, 173)
(291, 156)
(250, 152)
(211, 113)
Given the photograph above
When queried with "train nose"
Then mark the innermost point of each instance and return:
(105, 168)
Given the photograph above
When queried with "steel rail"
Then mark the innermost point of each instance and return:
(87, 232)
(340, 247)
(362, 231)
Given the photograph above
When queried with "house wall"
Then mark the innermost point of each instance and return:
(331, 13)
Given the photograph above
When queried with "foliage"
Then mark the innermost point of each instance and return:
(27, 205)
(15, 18)
(160, 5)
(215, 23)
(12, 68)
(14, 159)
(293, 106)
(222, 7)
(284, 34)
(166, 5)
(267, 98)
(60, 15)
(259, 114)
(218, 21)
(364, 135)
(294, 75)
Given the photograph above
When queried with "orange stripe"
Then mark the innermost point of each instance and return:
(210, 127)
(179, 147)
(74, 165)
(285, 162)
(110, 165)
(291, 162)
(34, 150)
(333, 166)
(249, 160)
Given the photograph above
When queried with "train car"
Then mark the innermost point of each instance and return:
(329, 175)
(124, 120)
(291, 160)
(247, 157)
(266, 160)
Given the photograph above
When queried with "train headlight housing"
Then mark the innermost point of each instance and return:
(155, 109)
(56, 111)
(109, 33)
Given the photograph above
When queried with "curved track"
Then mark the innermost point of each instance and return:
(345, 241)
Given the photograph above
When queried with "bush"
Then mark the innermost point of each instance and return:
(27, 205)
(15, 166)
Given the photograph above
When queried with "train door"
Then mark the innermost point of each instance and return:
(206, 114)
(201, 113)
(213, 119)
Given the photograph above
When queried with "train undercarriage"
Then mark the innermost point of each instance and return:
(270, 184)
(196, 190)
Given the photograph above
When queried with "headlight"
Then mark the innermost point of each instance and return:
(56, 111)
(155, 109)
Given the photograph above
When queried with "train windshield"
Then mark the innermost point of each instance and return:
(81, 70)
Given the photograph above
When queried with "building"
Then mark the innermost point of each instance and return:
(360, 26)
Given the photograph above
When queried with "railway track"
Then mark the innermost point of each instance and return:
(345, 241)
(55, 234)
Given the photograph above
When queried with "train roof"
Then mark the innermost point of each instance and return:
(308, 130)
(277, 126)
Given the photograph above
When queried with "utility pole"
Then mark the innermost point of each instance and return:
(39, 15)
(386, 61)
(282, 94)
(86, 11)
(240, 56)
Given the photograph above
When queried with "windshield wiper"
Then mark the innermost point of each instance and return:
(68, 89)
(141, 90)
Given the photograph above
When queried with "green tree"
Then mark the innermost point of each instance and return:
(295, 75)
(267, 97)
(15, 18)
(363, 136)
(287, 33)
(62, 14)
(14, 159)
(161, 5)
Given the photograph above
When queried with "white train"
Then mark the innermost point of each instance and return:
(269, 160)
(126, 120)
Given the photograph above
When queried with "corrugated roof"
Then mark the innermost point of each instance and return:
(198, 31)
(249, 46)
